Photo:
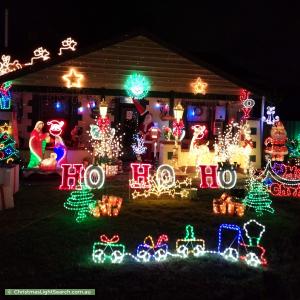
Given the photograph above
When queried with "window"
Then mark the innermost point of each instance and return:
(253, 158)
(254, 144)
(253, 130)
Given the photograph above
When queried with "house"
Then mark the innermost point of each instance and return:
(41, 93)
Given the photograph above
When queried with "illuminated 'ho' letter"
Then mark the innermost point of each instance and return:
(165, 176)
(227, 178)
(140, 176)
(94, 177)
(208, 172)
(71, 176)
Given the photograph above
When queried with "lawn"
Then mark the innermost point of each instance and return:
(43, 247)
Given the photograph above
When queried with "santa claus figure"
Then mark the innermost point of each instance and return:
(276, 142)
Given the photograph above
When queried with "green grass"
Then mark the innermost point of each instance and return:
(43, 247)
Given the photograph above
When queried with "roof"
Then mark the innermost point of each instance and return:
(106, 65)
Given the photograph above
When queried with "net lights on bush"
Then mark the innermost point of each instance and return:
(137, 86)
(109, 250)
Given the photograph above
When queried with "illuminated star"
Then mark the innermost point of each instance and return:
(135, 194)
(5, 128)
(147, 193)
(73, 79)
(199, 86)
(184, 193)
(173, 193)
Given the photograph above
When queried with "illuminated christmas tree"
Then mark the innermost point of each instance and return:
(258, 197)
(8, 152)
(80, 201)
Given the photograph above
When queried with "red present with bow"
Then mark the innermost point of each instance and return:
(108, 249)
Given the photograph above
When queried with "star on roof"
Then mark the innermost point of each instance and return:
(73, 79)
(199, 86)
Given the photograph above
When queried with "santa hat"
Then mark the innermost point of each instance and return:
(139, 107)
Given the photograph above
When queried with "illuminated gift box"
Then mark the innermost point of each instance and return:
(148, 250)
(109, 206)
(225, 205)
(108, 250)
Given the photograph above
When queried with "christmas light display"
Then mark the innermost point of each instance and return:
(60, 148)
(189, 244)
(227, 176)
(67, 44)
(213, 176)
(237, 238)
(140, 176)
(293, 148)
(234, 145)
(254, 240)
(109, 206)
(55, 127)
(163, 182)
(106, 143)
(39, 53)
(73, 79)
(6, 66)
(225, 205)
(137, 86)
(80, 201)
(5, 95)
(8, 152)
(271, 118)
(285, 180)
(247, 103)
(275, 144)
(108, 250)
(199, 86)
(165, 176)
(258, 197)
(49, 164)
(256, 253)
(71, 176)
(208, 172)
(94, 177)
(138, 147)
(149, 251)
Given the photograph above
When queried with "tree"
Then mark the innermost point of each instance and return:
(80, 201)
(8, 152)
(258, 197)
